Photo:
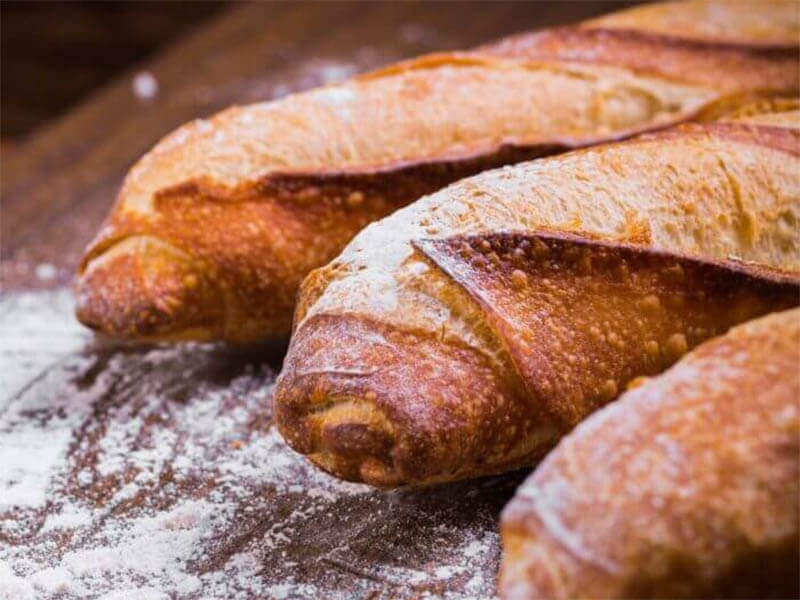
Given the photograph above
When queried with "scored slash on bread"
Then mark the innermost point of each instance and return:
(406, 365)
(215, 228)
(685, 487)
(581, 317)
(250, 250)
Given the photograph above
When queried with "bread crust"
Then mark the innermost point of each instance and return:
(730, 67)
(587, 318)
(255, 197)
(581, 317)
(402, 326)
(775, 22)
(686, 486)
(251, 246)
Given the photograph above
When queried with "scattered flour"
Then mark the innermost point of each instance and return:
(27, 464)
(333, 71)
(13, 587)
(45, 272)
(144, 85)
(157, 473)
(38, 329)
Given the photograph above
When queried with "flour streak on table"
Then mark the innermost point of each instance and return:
(157, 471)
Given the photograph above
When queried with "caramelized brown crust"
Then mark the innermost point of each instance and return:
(251, 246)
(255, 197)
(346, 405)
(730, 68)
(765, 23)
(409, 361)
(774, 112)
(687, 486)
(581, 318)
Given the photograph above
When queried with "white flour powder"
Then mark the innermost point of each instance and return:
(157, 473)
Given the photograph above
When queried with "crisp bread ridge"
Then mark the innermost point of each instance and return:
(672, 303)
(685, 487)
(226, 212)
(412, 366)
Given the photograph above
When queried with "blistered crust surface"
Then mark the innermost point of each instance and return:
(250, 247)
(702, 190)
(765, 22)
(727, 192)
(239, 193)
(687, 486)
(730, 69)
(579, 319)
(347, 406)
(582, 318)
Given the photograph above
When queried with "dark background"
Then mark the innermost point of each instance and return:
(55, 53)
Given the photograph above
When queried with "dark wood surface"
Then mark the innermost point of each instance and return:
(124, 468)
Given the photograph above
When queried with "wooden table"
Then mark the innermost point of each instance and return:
(158, 469)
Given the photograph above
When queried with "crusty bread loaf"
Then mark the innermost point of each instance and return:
(766, 23)
(686, 487)
(733, 47)
(214, 229)
(439, 346)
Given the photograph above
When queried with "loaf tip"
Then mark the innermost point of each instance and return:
(142, 288)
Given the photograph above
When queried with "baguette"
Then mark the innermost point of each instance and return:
(685, 487)
(214, 229)
(464, 334)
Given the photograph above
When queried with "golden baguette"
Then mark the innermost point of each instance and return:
(685, 487)
(214, 229)
(464, 334)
